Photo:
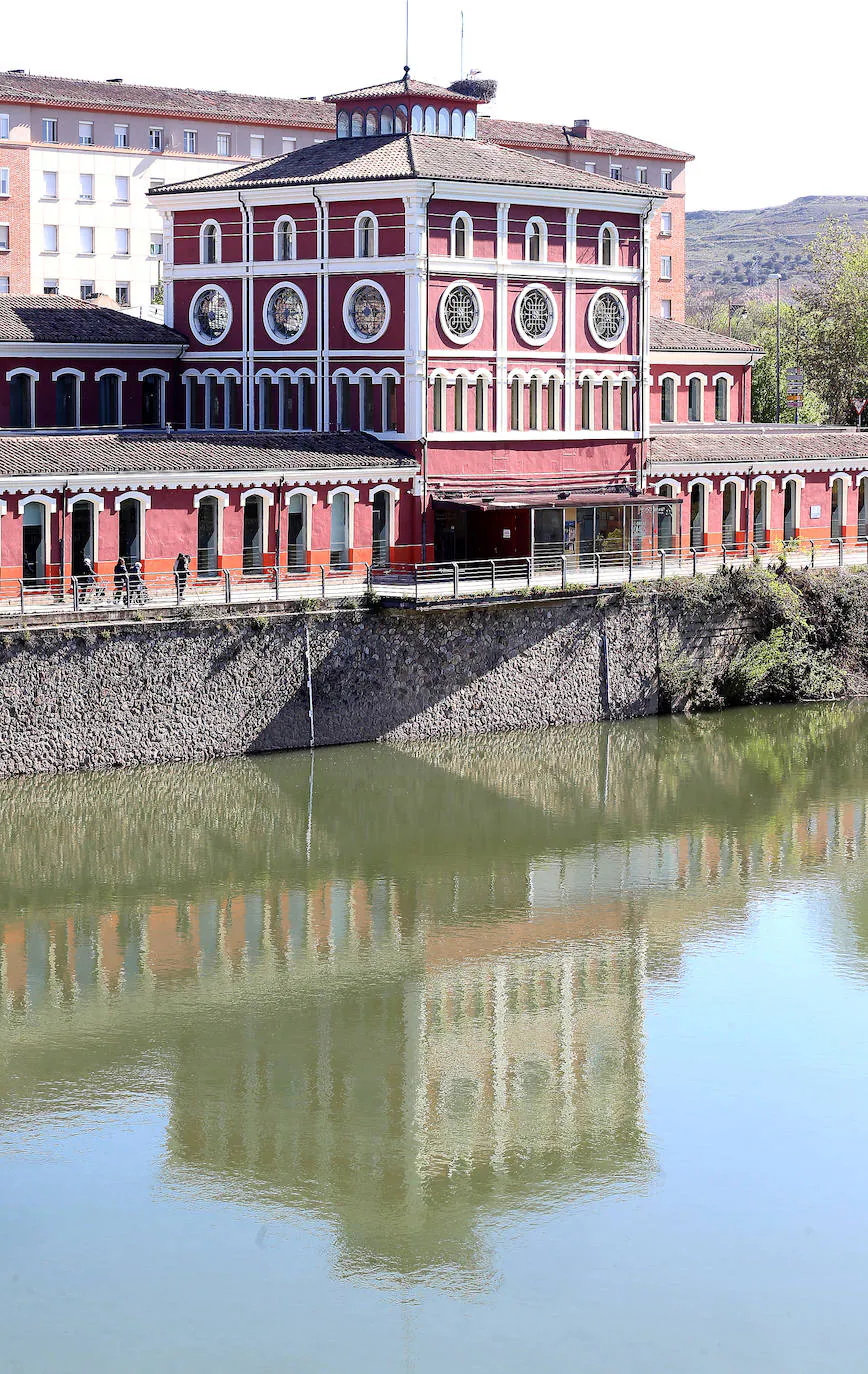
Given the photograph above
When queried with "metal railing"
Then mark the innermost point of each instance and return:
(128, 594)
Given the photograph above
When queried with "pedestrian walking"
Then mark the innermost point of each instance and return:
(182, 572)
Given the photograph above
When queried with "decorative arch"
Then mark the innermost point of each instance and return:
(461, 236)
(366, 235)
(32, 378)
(343, 126)
(608, 245)
(358, 124)
(536, 240)
(285, 239)
(669, 383)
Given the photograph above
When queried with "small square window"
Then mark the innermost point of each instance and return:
(155, 140)
(289, 144)
(666, 309)
(122, 135)
(122, 190)
(257, 145)
(88, 290)
(49, 186)
(666, 179)
(85, 186)
(156, 181)
(156, 245)
(51, 287)
(49, 131)
(591, 167)
(157, 295)
(4, 126)
(4, 286)
(4, 181)
(642, 176)
(666, 269)
(85, 133)
(122, 243)
(49, 238)
(615, 172)
(85, 240)
(191, 140)
(122, 293)
(4, 238)
(224, 145)
(666, 224)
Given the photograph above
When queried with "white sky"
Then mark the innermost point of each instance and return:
(752, 89)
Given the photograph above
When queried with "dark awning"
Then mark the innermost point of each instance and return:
(531, 500)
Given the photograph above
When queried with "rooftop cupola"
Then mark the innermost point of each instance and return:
(408, 106)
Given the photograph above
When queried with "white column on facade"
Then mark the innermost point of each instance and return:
(570, 324)
(645, 337)
(415, 315)
(501, 411)
(322, 335)
(168, 267)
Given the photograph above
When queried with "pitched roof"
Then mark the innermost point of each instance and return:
(163, 100)
(394, 157)
(671, 337)
(525, 134)
(406, 86)
(756, 444)
(139, 451)
(64, 319)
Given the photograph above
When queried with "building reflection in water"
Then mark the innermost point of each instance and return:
(409, 1000)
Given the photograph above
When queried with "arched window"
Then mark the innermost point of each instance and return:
(22, 386)
(66, 400)
(381, 532)
(366, 236)
(479, 404)
(430, 119)
(269, 396)
(443, 123)
(607, 246)
(401, 119)
(535, 241)
(533, 406)
(606, 404)
(358, 124)
(462, 236)
(339, 544)
(372, 123)
(34, 552)
(231, 402)
(130, 532)
(694, 399)
(390, 405)
(587, 406)
(344, 124)
(109, 399)
(387, 120)
(344, 409)
(552, 417)
(457, 124)
(306, 402)
(470, 124)
(667, 400)
(666, 519)
(760, 522)
(515, 403)
(697, 516)
(721, 399)
(417, 120)
(791, 509)
(366, 404)
(152, 400)
(284, 240)
(861, 510)
(296, 535)
(253, 546)
(438, 407)
(83, 536)
(460, 412)
(209, 242)
(729, 514)
(839, 507)
(626, 392)
(207, 536)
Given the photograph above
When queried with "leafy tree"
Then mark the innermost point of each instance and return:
(835, 307)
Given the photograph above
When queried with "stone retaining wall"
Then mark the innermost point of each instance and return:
(206, 687)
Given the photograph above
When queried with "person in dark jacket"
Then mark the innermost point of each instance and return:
(182, 572)
(120, 576)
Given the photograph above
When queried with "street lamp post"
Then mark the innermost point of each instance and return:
(776, 278)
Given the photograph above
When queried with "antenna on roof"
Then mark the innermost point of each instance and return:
(461, 50)
(406, 39)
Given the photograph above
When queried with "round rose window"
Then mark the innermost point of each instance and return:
(608, 317)
(367, 314)
(285, 314)
(210, 315)
(460, 312)
(536, 314)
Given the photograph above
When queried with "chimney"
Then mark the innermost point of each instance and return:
(580, 128)
(114, 80)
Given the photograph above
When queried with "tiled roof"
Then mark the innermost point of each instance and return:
(756, 444)
(672, 337)
(404, 87)
(524, 134)
(63, 319)
(163, 100)
(68, 455)
(399, 156)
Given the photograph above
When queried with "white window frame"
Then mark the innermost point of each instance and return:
(46, 194)
(519, 328)
(461, 218)
(279, 226)
(85, 140)
(121, 198)
(122, 135)
(82, 251)
(4, 126)
(666, 224)
(641, 176)
(79, 378)
(616, 171)
(727, 378)
(279, 338)
(155, 138)
(676, 383)
(191, 314)
(349, 323)
(218, 243)
(607, 343)
(459, 339)
(121, 377)
(666, 178)
(119, 251)
(82, 193)
(227, 138)
(5, 247)
(666, 272)
(34, 378)
(536, 222)
(260, 139)
(701, 378)
(56, 249)
(357, 236)
(49, 127)
(190, 143)
(164, 377)
(608, 227)
(4, 181)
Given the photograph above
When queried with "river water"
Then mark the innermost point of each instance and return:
(538, 1051)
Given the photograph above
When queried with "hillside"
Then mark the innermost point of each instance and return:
(739, 248)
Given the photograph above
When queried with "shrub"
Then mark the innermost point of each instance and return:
(782, 667)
